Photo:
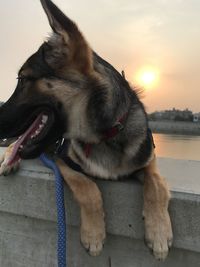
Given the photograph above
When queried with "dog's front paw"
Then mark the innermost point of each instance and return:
(93, 240)
(93, 235)
(6, 169)
(158, 234)
(6, 165)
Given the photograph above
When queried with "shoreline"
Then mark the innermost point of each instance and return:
(175, 127)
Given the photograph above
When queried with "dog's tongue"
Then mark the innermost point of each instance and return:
(14, 157)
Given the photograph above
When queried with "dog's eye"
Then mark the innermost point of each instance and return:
(21, 78)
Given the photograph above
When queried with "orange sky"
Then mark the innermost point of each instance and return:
(129, 34)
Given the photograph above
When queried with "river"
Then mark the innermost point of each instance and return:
(177, 146)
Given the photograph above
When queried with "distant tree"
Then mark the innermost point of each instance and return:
(172, 115)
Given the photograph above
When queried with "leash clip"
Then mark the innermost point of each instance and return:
(59, 145)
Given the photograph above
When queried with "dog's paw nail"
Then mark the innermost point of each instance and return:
(93, 243)
(95, 249)
(159, 248)
(16, 166)
(4, 170)
(148, 243)
(161, 255)
(86, 246)
(170, 241)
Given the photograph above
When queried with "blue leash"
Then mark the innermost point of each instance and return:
(59, 184)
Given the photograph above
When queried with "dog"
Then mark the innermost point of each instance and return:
(66, 90)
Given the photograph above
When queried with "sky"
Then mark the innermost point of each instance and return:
(163, 35)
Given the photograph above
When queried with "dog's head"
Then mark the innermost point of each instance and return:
(49, 78)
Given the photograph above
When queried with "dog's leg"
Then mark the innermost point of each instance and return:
(89, 198)
(5, 167)
(158, 231)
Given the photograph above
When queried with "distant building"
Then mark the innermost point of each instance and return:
(172, 115)
(196, 117)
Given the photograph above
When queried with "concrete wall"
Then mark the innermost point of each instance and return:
(28, 220)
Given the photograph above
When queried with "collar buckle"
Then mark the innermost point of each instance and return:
(59, 145)
(119, 126)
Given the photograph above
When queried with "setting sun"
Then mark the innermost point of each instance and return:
(147, 78)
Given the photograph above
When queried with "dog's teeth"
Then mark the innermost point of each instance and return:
(21, 146)
(44, 118)
(41, 126)
(37, 132)
(32, 136)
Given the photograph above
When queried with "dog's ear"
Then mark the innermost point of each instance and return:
(67, 46)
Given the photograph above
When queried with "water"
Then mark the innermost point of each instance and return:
(177, 146)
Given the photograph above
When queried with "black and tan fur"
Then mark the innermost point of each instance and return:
(84, 96)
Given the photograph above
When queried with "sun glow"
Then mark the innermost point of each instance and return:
(147, 78)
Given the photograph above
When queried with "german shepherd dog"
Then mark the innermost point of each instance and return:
(65, 90)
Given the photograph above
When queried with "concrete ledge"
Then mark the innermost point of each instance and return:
(28, 216)
(28, 242)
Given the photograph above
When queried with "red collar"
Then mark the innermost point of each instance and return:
(108, 134)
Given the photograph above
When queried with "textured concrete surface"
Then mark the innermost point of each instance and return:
(28, 216)
(28, 242)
